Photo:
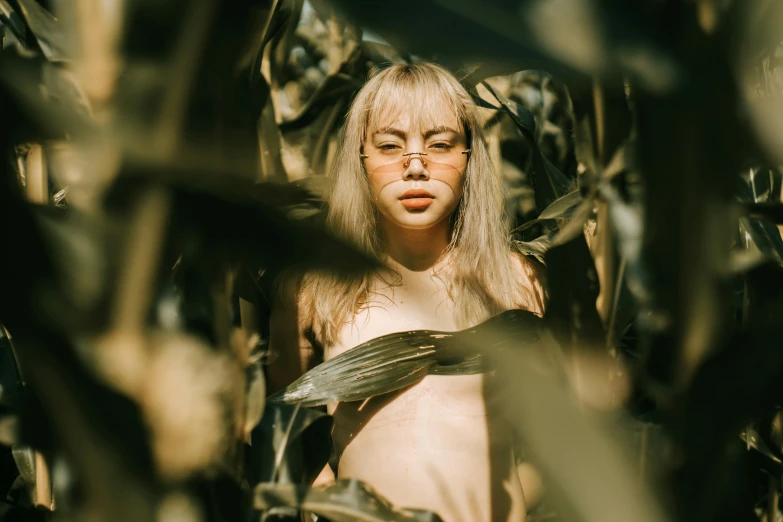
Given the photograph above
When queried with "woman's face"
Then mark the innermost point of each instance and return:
(414, 190)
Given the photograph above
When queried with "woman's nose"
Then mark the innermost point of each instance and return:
(416, 169)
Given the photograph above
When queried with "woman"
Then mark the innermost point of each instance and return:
(413, 186)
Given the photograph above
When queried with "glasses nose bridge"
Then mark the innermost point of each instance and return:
(415, 169)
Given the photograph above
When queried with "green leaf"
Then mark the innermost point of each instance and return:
(548, 182)
(24, 458)
(536, 248)
(256, 395)
(395, 361)
(763, 212)
(562, 208)
(771, 211)
(575, 225)
(47, 30)
(290, 444)
(346, 500)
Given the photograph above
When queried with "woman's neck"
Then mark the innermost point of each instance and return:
(416, 249)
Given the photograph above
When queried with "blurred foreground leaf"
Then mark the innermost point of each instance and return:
(99, 430)
(458, 32)
(230, 219)
(583, 465)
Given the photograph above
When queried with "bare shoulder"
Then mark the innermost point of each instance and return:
(527, 266)
(531, 278)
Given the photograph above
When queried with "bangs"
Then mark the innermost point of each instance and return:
(429, 101)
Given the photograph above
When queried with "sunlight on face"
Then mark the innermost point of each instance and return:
(416, 191)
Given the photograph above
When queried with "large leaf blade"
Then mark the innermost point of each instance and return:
(392, 362)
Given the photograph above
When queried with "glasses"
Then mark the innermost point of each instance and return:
(434, 160)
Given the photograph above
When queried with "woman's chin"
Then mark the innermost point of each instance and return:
(418, 220)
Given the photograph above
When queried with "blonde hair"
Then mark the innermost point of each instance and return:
(482, 277)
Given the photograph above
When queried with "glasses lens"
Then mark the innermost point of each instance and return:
(434, 160)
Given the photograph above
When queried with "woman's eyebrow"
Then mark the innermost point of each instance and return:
(391, 130)
(402, 134)
(438, 130)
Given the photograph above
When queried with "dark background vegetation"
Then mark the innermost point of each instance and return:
(163, 160)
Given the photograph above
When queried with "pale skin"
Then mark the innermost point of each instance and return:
(439, 444)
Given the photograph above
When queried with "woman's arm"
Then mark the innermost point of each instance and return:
(290, 353)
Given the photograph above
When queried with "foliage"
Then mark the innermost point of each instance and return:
(163, 161)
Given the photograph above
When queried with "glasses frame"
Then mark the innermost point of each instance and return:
(407, 155)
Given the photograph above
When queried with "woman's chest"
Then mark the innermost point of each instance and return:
(453, 410)
(426, 306)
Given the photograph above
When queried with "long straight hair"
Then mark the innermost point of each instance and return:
(481, 274)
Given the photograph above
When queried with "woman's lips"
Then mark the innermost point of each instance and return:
(416, 203)
(416, 199)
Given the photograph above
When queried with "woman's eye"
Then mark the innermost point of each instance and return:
(388, 147)
(440, 146)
